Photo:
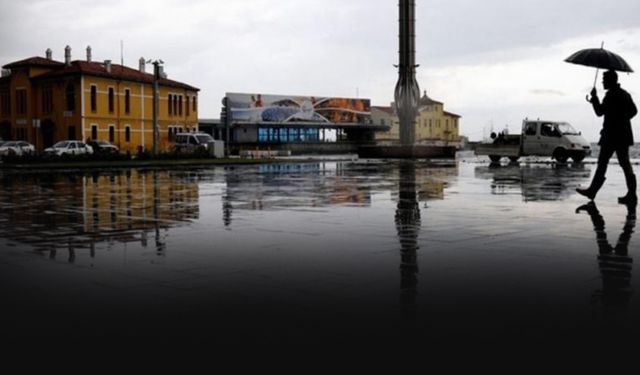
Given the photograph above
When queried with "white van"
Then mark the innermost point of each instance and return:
(190, 142)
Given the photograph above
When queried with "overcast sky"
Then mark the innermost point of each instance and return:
(494, 62)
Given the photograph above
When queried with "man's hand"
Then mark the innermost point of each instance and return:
(594, 96)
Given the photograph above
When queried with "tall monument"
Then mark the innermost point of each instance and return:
(407, 100)
(407, 93)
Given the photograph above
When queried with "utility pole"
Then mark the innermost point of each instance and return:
(156, 77)
(224, 120)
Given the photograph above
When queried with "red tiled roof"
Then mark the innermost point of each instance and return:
(34, 61)
(117, 72)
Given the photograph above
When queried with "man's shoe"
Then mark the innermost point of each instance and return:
(587, 193)
(628, 199)
(589, 207)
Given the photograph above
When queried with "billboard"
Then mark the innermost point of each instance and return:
(283, 109)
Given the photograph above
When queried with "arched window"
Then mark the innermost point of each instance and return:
(70, 94)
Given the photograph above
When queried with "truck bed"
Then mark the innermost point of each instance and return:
(509, 150)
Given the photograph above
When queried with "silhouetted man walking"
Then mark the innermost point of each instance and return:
(616, 135)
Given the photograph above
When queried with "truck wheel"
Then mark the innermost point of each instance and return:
(577, 158)
(495, 158)
(514, 158)
(560, 155)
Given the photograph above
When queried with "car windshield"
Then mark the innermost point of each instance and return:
(204, 138)
(567, 129)
(10, 144)
(63, 144)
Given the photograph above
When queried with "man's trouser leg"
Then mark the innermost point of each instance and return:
(601, 171)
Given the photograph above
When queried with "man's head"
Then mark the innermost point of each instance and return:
(609, 79)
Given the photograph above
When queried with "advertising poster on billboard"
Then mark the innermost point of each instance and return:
(283, 109)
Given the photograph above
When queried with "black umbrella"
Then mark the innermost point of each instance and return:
(599, 58)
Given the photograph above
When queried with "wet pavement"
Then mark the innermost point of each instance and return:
(319, 251)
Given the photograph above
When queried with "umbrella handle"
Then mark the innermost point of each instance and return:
(595, 80)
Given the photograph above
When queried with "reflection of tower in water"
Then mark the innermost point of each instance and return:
(408, 224)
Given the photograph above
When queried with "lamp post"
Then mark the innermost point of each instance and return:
(156, 76)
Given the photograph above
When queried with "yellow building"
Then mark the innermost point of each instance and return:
(433, 123)
(44, 101)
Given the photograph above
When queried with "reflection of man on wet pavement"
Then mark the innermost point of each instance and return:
(615, 262)
(616, 135)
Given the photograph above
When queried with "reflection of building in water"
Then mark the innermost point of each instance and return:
(431, 180)
(535, 183)
(280, 186)
(615, 262)
(70, 211)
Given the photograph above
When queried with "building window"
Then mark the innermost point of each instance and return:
(94, 131)
(70, 96)
(71, 132)
(127, 101)
(175, 105)
(111, 100)
(187, 107)
(127, 134)
(5, 103)
(112, 133)
(47, 100)
(94, 98)
(21, 101)
(170, 100)
(180, 105)
(195, 105)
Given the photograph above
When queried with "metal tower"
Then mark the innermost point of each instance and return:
(407, 93)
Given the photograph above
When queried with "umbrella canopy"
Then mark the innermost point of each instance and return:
(599, 58)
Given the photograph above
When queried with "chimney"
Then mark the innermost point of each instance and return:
(161, 72)
(48, 53)
(107, 65)
(142, 65)
(88, 53)
(67, 55)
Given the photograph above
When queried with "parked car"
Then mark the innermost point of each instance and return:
(16, 148)
(101, 146)
(69, 148)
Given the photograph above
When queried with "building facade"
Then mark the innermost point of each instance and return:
(433, 123)
(296, 123)
(43, 101)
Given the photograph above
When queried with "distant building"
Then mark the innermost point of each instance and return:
(433, 123)
(44, 101)
(293, 122)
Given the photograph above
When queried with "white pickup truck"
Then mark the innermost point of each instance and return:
(556, 139)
